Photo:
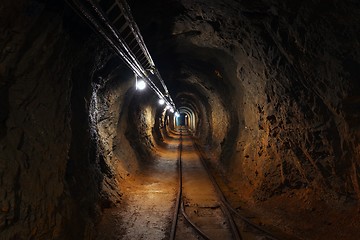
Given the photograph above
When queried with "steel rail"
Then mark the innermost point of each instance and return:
(237, 214)
(225, 210)
(227, 204)
(178, 198)
(193, 225)
(234, 229)
(180, 203)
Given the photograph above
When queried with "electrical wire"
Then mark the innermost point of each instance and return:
(94, 16)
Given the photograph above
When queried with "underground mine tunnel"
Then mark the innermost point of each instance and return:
(260, 97)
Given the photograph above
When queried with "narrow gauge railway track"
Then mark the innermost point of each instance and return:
(219, 210)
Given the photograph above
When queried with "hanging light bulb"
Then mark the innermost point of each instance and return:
(140, 85)
(171, 109)
(161, 101)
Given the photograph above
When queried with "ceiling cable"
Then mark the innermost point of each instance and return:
(113, 21)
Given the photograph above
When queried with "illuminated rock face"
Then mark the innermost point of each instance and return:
(274, 87)
(278, 79)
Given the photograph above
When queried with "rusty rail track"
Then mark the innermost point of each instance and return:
(229, 209)
(180, 204)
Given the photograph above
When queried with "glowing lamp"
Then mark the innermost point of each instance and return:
(161, 101)
(140, 85)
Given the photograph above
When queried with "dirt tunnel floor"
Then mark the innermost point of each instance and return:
(148, 200)
(148, 204)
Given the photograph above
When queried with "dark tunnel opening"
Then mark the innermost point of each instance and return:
(265, 94)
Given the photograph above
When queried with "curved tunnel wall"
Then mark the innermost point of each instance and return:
(274, 89)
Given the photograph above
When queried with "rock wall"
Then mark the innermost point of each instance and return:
(36, 129)
(298, 81)
(50, 169)
(111, 97)
(140, 130)
(286, 73)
